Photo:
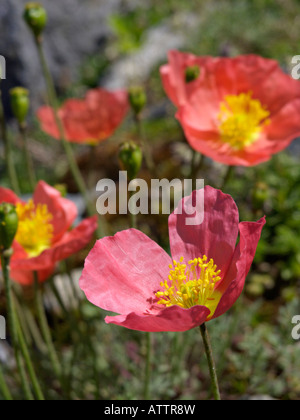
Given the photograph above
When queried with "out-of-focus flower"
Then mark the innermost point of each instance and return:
(44, 236)
(87, 121)
(154, 292)
(183, 75)
(240, 111)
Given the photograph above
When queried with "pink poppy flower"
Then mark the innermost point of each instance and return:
(90, 120)
(132, 276)
(45, 235)
(240, 111)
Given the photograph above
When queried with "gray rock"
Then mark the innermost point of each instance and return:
(76, 29)
(136, 67)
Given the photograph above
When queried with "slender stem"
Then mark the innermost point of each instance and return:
(53, 101)
(45, 328)
(12, 316)
(18, 340)
(227, 177)
(196, 165)
(148, 366)
(29, 163)
(12, 174)
(210, 360)
(148, 157)
(4, 388)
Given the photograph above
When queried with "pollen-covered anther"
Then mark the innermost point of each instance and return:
(190, 284)
(241, 120)
(35, 231)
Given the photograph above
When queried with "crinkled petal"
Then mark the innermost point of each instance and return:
(64, 211)
(233, 284)
(214, 237)
(173, 318)
(122, 273)
(71, 243)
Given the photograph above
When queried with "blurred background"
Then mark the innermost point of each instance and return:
(121, 43)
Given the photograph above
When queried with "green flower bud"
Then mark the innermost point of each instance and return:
(19, 101)
(131, 159)
(36, 18)
(192, 73)
(8, 225)
(137, 99)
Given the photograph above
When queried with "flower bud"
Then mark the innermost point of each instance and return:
(192, 73)
(19, 101)
(36, 18)
(131, 159)
(8, 225)
(137, 99)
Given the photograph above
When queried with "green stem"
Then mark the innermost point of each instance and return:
(45, 328)
(148, 366)
(4, 388)
(29, 163)
(196, 165)
(227, 177)
(210, 361)
(12, 174)
(18, 340)
(12, 317)
(53, 101)
(148, 157)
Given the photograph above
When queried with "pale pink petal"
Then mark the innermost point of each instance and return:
(173, 318)
(122, 273)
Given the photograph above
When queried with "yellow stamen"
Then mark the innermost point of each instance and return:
(242, 119)
(191, 285)
(35, 231)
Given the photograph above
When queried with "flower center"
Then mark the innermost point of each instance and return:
(35, 231)
(191, 285)
(241, 120)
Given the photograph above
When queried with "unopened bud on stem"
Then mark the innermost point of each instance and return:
(131, 159)
(192, 73)
(8, 225)
(137, 99)
(20, 103)
(36, 18)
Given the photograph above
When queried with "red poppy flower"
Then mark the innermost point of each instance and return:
(87, 121)
(44, 235)
(240, 111)
(154, 292)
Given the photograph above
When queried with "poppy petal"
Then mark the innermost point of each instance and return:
(122, 273)
(234, 281)
(173, 319)
(64, 211)
(215, 237)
